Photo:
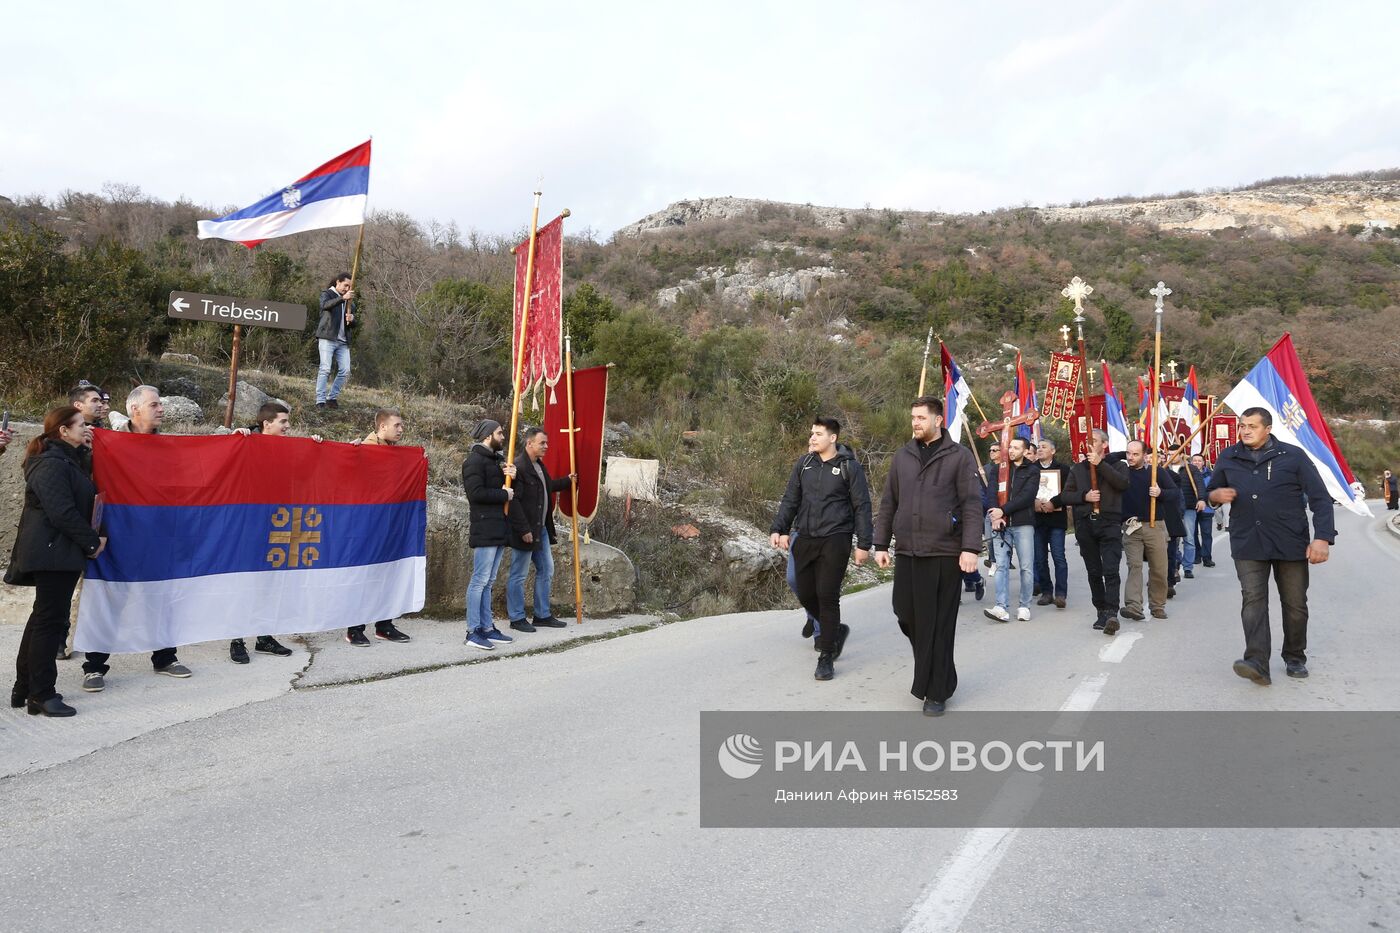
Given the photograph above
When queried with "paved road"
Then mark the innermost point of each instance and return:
(560, 791)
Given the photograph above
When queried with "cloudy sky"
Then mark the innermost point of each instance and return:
(621, 108)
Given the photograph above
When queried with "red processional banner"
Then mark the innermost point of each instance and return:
(1061, 387)
(1223, 431)
(1175, 426)
(1080, 425)
(544, 342)
(590, 411)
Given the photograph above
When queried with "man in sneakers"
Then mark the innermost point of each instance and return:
(932, 512)
(1193, 498)
(826, 502)
(1205, 540)
(1050, 529)
(144, 407)
(1143, 542)
(532, 532)
(333, 339)
(1097, 503)
(388, 432)
(484, 475)
(1013, 528)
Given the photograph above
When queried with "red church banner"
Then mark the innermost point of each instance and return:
(1061, 387)
(544, 344)
(590, 410)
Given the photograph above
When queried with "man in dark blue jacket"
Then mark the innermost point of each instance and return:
(826, 502)
(1269, 485)
(1013, 527)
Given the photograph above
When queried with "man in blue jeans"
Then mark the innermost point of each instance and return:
(1193, 503)
(532, 532)
(484, 478)
(1013, 526)
(1050, 527)
(333, 339)
(1205, 540)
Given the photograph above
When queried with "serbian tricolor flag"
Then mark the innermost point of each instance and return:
(1277, 385)
(590, 392)
(956, 394)
(1025, 399)
(544, 342)
(234, 536)
(333, 195)
(1116, 419)
(1191, 409)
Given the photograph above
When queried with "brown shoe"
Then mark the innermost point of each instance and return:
(1111, 626)
(1159, 613)
(1059, 602)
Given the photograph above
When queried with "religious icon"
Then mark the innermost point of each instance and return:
(1064, 372)
(1049, 485)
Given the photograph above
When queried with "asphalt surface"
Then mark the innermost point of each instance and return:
(560, 790)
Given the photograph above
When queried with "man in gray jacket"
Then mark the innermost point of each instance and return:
(932, 510)
(333, 339)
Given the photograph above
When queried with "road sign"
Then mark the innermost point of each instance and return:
(221, 309)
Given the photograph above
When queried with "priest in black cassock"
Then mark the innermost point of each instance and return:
(931, 519)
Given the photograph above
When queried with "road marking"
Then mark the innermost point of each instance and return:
(945, 903)
(1115, 651)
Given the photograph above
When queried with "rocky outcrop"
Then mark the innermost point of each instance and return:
(742, 284)
(249, 399)
(701, 210)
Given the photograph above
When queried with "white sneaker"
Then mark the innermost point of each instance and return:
(1023, 614)
(997, 614)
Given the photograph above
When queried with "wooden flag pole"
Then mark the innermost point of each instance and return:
(923, 371)
(233, 376)
(573, 474)
(1161, 291)
(1077, 290)
(355, 261)
(520, 348)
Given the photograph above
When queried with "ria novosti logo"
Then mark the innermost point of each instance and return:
(741, 756)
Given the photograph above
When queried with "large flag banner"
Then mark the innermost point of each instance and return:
(1224, 430)
(956, 395)
(1191, 410)
(1081, 424)
(544, 344)
(1114, 414)
(1025, 399)
(1277, 385)
(590, 411)
(1061, 386)
(233, 536)
(333, 195)
(1174, 426)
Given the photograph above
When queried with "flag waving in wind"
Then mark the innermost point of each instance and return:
(333, 195)
(1277, 385)
(955, 394)
(1115, 418)
(1192, 410)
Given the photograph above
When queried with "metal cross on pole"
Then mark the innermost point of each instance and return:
(1160, 292)
(1064, 334)
(1171, 364)
(1029, 416)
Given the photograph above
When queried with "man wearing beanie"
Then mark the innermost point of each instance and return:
(484, 478)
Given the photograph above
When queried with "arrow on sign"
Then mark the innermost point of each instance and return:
(179, 304)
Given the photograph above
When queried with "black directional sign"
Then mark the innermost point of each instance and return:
(222, 309)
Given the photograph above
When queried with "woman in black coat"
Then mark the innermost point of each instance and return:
(55, 541)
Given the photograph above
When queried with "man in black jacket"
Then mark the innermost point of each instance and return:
(532, 532)
(1270, 484)
(1050, 528)
(826, 501)
(484, 475)
(333, 339)
(1097, 502)
(932, 511)
(1145, 541)
(1013, 528)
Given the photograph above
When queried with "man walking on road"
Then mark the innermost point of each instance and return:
(1269, 485)
(1143, 540)
(826, 502)
(1050, 529)
(1013, 528)
(1098, 525)
(931, 516)
(1205, 539)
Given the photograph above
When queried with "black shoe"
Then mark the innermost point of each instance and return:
(1207, 563)
(1045, 599)
(266, 644)
(1249, 671)
(1189, 575)
(1110, 625)
(1171, 592)
(332, 403)
(841, 632)
(1297, 669)
(807, 628)
(63, 654)
(357, 638)
(1099, 622)
(824, 668)
(53, 706)
(1132, 614)
(321, 405)
(237, 651)
(934, 708)
(521, 625)
(981, 590)
(550, 622)
(17, 697)
(389, 633)
(1036, 591)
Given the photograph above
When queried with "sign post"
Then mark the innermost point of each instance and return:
(191, 306)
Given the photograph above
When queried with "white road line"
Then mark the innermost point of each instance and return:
(945, 903)
(1116, 650)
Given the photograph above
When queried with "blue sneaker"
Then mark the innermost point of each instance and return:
(479, 640)
(496, 634)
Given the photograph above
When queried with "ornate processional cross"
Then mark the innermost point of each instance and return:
(1007, 422)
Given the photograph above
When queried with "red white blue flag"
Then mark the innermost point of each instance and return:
(1277, 385)
(333, 195)
(956, 395)
(227, 537)
(1117, 422)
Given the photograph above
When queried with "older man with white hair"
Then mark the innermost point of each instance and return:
(147, 412)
